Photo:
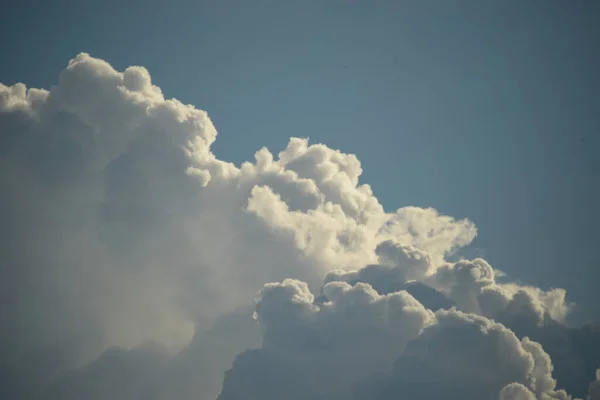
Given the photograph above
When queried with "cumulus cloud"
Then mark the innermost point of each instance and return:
(356, 343)
(130, 255)
(356, 332)
(468, 356)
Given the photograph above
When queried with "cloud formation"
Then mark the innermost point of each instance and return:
(130, 255)
(356, 336)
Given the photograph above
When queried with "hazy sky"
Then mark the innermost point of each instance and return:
(486, 110)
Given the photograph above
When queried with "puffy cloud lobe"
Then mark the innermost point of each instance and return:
(325, 234)
(334, 344)
(427, 230)
(575, 352)
(415, 263)
(463, 282)
(351, 315)
(467, 356)
(398, 264)
(516, 391)
(521, 300)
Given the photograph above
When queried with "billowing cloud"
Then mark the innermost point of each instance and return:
(468, 356)
(356, 343)
(130, 256)
(332, 345)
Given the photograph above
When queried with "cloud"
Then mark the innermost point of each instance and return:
(516, 391)
(116, 374)
(426, 229)
(468, 356)
(528, 311)
(356, 342)
(352, 335)
(150, 371)
(130, 255)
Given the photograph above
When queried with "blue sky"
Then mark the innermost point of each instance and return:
(481, 109)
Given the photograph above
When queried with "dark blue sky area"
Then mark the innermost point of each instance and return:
(482, 109)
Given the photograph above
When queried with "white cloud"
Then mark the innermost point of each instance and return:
(121, 226)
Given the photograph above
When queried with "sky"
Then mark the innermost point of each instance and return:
(486, 111)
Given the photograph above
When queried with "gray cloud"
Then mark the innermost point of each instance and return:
(594, 390)
(467, 356)
(346, 339)
(149, 371)
(353, 343)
